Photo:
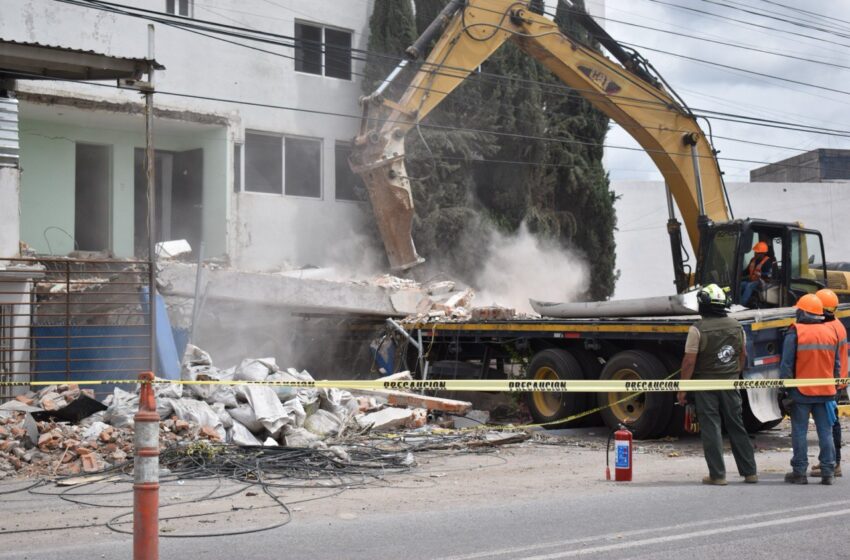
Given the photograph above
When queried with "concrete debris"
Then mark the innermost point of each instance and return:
(401, 398)
(492, 313)
(472, 419)
(391, 282)
(171, 249)
(243, 414)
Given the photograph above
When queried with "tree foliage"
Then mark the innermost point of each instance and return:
(461, 179)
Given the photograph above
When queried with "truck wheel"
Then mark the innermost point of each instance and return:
(546, 407)
(645, 414)
(591, 369)
(676, 426)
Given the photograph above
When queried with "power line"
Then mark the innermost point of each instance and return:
(732, 118)
(722, 43)
(424, 125)
(191, 26)
(796, 9)
(766, 15)
(191, 23)
(747, 23)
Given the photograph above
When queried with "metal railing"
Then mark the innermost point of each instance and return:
(64, 319)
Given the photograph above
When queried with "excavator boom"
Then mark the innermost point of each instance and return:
(469, 32)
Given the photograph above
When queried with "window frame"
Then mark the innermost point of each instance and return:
(283, 137)
(350, 146)
(190, 5)
(245, 186)
(321, 142)
(323, 49)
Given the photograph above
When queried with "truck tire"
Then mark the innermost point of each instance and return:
(646, 414)
(591, 368)
(676, 426)
(548, 408)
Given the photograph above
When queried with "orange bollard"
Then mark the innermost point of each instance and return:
(146, 474)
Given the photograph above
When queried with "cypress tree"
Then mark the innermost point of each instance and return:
(560, 190)
(583, 200)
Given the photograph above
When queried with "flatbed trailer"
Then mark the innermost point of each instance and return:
(628, 348)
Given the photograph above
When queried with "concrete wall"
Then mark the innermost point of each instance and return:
(48, 181)
(259, 231)
(9, 211)
(643, 248)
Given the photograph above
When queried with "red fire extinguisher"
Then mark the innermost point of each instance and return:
(622, 455)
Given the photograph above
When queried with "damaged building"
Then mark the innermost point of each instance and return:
(251, 145)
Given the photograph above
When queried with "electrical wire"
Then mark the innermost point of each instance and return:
(193, 22)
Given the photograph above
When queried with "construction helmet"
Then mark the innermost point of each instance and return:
(760, 247)
(810, 303)
(713, 295)
(828, 298)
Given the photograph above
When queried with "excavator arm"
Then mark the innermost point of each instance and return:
(470, 31)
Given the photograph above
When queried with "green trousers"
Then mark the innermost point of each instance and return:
(710, 406)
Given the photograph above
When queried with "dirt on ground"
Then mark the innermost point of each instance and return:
(568, 462)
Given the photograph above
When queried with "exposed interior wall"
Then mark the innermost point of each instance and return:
(10, 222)
(48, 163)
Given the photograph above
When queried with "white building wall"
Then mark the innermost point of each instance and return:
(263, 231)
(643, 247)
(10, 223)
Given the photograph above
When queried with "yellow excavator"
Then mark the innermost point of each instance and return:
(627, 90)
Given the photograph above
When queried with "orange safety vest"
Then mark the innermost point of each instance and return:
(841, 332)
(754, 270)
(816, 344)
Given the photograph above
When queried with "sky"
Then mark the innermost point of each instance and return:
(710, 88)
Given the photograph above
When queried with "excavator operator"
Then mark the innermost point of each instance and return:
(758, 273)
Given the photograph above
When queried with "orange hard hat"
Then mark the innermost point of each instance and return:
(810, 303)
(828, 299)
(760, 247)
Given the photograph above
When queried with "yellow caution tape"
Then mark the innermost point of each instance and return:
(486, 385)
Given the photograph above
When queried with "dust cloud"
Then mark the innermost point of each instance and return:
(521, 266)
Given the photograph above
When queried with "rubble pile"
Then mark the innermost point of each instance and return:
(62, 431)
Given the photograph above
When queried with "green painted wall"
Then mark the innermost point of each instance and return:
(48, 174)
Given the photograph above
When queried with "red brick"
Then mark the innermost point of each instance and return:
(210, 433)
(48, 404)
(92, 463)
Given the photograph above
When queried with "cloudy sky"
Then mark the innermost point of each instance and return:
(710, 88)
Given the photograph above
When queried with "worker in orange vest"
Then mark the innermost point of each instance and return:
(830, 303)
(757, 273)
(810, 351)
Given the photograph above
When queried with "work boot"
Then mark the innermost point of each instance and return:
(714, 481)
(796, 478)
(828, 480)
(751, 478)
(816, 470)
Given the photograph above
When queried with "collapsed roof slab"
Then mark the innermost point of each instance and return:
(300, 295)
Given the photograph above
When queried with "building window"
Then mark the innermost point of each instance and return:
(179, 7)
(303, 167)
(349, 185)
(283, 165)
(263, 163)
(237, 168)
(323, 51)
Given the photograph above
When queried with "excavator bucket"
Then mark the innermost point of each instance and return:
(392, 201)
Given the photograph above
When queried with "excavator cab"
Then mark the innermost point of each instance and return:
(795, 261)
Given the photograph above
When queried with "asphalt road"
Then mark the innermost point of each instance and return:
(770, 520)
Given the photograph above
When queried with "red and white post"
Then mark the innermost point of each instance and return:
(146, 474)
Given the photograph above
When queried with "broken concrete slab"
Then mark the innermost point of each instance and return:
(271, 289)
(400, 398)
(384, 420)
